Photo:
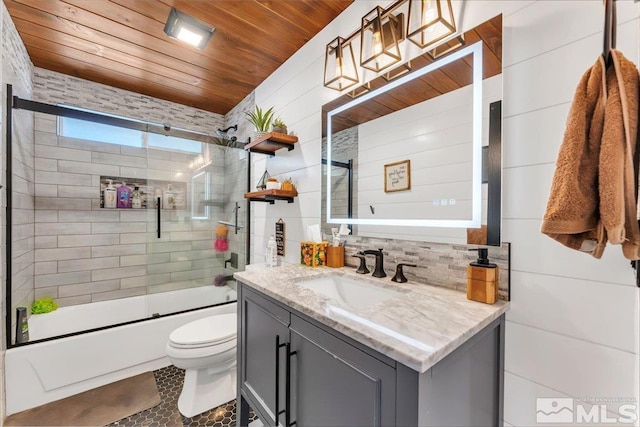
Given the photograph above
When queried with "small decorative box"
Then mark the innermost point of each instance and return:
(313, 254)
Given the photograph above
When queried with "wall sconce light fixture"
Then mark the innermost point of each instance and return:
(430, 21)
(340, 71)
(380, 35)
(188, 29)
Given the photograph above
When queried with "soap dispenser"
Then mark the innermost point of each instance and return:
(110, 196)
(124, 196)
(169, 198)
(136, 200)
(482, 279)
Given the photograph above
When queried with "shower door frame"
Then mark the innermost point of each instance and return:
(16, 103)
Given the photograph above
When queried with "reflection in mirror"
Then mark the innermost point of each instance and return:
(200, 195)
(438, 119)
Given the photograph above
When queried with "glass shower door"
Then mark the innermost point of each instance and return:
(189, 256)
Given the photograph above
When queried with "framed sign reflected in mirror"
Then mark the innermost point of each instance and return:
(397, 176)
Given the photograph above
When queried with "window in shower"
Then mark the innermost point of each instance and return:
(110, 134)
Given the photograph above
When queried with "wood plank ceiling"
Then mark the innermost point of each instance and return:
(122, 43)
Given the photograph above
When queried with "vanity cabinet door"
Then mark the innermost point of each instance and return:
(262, 324)
(336, 384)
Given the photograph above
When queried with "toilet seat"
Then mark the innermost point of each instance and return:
(206, 332)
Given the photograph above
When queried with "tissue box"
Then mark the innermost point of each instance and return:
(313, 254)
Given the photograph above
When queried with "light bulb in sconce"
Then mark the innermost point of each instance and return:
(377, 43)
(339, 69)
(429, 13)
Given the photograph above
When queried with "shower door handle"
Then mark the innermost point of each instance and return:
(158, 207)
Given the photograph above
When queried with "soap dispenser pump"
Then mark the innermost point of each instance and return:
(110, 195)
(482, 278)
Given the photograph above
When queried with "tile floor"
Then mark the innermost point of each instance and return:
(169, 381)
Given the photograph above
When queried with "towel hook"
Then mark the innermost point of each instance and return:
(609, 39)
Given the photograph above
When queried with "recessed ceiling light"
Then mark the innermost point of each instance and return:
(188, 29)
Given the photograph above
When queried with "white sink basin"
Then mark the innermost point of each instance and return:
(350, 292)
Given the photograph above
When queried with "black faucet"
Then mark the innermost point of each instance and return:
(363, 265)
(379, 270)
(399, 276)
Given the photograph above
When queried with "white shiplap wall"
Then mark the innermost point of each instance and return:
(572, 329)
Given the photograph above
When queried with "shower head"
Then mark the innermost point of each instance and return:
(223, 132)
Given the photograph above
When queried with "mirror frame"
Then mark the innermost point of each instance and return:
(476, 216)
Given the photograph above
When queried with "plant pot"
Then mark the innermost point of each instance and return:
(280, 129)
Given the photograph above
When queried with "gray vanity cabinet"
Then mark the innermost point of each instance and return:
(264, 326)
(335, 384)
(322, 380)
(313, 375)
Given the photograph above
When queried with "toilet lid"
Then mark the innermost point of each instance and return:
(208, 331)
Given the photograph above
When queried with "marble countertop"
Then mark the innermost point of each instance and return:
(417, 328)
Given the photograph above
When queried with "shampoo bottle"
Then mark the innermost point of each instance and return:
(482, 279)
(169, 198)
(124, 196)
(110, 195)
(22, 325)
(271, 253)
(136, 200)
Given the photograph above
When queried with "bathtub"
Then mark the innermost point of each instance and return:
(50, 370)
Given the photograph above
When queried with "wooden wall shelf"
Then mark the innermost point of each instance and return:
(271, 142)
(270, 196)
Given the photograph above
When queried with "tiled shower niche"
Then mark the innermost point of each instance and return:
(150, 190)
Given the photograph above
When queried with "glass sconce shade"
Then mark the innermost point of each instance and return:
(380, 35)
(340, 70)
(430, 21)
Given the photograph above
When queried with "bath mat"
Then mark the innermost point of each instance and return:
(97, 407)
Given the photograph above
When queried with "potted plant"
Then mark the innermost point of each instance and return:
(279, 126)
(261, 120)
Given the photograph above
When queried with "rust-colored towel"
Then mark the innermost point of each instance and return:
(593, 196)
(618, 203)
(572, 216)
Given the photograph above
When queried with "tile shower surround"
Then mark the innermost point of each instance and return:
(437, 263)
(84, 253)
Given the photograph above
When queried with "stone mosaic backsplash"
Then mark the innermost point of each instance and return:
(438, 263)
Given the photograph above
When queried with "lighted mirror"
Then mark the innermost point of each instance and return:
(419, 157)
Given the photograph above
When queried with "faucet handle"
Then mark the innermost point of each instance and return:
(363, 264)
(399, 276)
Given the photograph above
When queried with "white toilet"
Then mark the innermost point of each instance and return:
(206, 349)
